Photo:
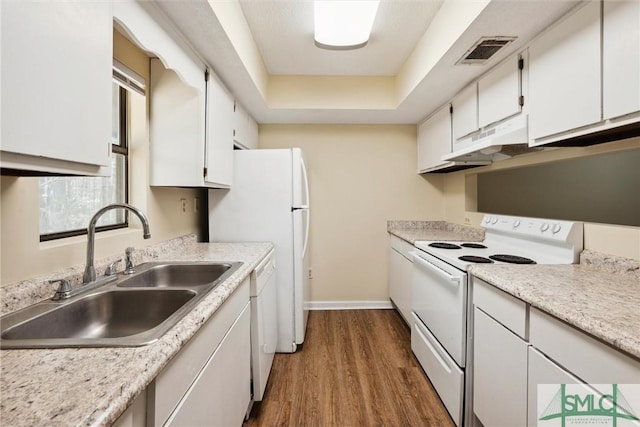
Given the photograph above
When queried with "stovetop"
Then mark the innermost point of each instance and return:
(514, 240)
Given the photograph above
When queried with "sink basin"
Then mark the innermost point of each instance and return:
(130, 311)
(103, 315)
(176, 275)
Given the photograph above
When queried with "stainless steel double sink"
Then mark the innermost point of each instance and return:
(129, 311)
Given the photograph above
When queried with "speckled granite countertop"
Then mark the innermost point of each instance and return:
(93, 386)
(600, 296)
(412, 231)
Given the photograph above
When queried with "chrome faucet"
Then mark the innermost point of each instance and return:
(89, 270)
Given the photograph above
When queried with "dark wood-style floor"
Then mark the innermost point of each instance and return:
(356, 368)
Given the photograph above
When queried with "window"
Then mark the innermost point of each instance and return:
(68, 203)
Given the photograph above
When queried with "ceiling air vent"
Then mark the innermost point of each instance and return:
(484, 49)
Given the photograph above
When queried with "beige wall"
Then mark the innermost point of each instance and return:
(23, 256)
(460, 203)
(360, 177)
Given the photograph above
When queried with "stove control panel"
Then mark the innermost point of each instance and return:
(563, 231)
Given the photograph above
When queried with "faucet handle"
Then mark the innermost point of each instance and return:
(111, 268)
(129, 267)
(63, 291)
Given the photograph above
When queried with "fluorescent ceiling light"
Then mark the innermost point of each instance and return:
(343, 24)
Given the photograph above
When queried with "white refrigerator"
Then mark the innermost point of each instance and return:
(269, 201)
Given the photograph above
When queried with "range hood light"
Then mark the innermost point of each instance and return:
(343, 24)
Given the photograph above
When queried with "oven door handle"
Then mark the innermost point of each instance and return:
(432, 267)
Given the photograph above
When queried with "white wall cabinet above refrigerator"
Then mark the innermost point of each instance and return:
(584, 73)
(56, 87)
(245, 129)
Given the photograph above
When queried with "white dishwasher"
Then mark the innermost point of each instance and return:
(264, 323)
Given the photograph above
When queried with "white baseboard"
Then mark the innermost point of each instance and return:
(349, 305)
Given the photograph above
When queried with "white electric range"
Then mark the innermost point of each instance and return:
(441, 299)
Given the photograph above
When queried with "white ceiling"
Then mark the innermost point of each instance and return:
(282, 32)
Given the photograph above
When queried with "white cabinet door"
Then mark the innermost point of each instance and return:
(400, 277)
(499, 92)
(219, 134)
(434, 139)
(221, 393)
(176, 129)
(56, 84)
(620, 58)
(245, 129)
(564, 74)
(499, 374)
(465, 112)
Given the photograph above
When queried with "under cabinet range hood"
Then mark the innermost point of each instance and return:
(495, 142)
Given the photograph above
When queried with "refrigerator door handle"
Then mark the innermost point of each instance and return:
(307, 206)
(306, 233)
(306, 182)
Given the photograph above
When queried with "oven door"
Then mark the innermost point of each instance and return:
(440, 302)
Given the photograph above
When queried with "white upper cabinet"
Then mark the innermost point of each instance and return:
(434, 140)
(191, 119)
(564, 75)
(220, 116)
(56, 86)
(621, 58)
(245, 129)
(499, 92)
(177, 129)
(465, 112)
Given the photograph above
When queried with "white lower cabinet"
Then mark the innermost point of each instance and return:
(208, 382)
(220, 395)
(513, 367)
(500, 373)
(400, 276)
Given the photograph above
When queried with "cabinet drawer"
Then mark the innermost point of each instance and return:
(506, 309)
(589, 359)
(176, 378)
(445, 375)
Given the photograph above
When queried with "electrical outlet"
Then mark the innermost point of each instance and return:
(196, 204)
(467, 221)
(310, 274)
(183, 206)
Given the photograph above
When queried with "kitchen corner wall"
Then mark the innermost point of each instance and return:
(360, 176)
(23, 256)
(460, 201)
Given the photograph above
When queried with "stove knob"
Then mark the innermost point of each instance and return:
(544, 227)
(487, 220)
(556, 228)
(494, 220)
(516, 223)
